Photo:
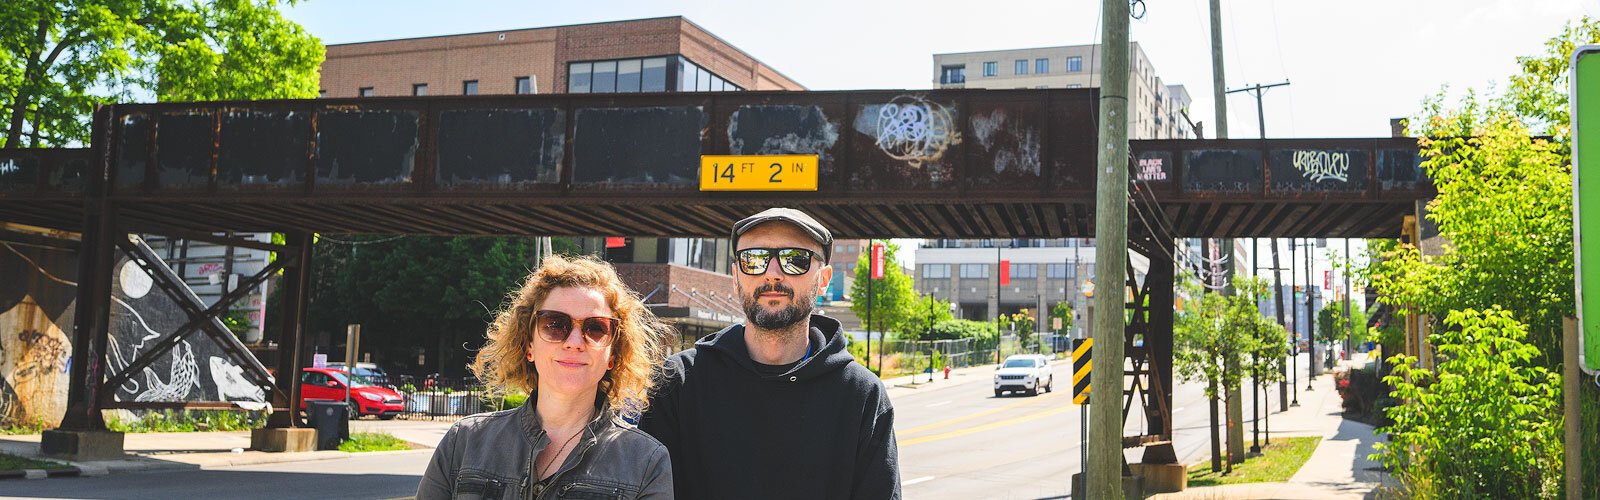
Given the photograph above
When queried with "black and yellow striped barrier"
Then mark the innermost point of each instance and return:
(1080, 370)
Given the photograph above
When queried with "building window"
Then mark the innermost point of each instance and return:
(322, 93)
(1074, 64)
(1074, 85)
(628, 75)
(469, 87)
(653, 75)
(523, 85)
(1041, 66)
(1059, 271)
(364, 92)
(1021, 67)
(605, 77)
(936, 270)
(953, 74)
(578, 77)
(991, 68)
(1025, 270)
(419, 89)
(974, 270)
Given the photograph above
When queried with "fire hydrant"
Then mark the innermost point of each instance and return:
(947, 372)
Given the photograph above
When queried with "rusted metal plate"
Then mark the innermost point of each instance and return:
(263, 149)
(33, 173)
(530, 144)
(366, 148)
(648, 147)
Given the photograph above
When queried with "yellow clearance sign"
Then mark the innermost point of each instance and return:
(758, 173)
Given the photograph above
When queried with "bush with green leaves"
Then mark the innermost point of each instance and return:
(1487, 424)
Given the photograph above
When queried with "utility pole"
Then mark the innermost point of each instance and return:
(999, 336)
(1220, 96)
(1104, 479)
(1255, 358)
(1294, 334)
(1311, 319)
(1349, 336)
(1261, 117)
(871, 260)
(1277, 284)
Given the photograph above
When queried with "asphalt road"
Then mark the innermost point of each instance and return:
(956, 439)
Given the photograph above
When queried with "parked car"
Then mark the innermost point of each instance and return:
(1024, 372)
(369, 371)
(365, 398)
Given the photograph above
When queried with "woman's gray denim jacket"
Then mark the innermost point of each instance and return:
(491, 455)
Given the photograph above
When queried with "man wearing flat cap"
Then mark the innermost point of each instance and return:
(776, 407)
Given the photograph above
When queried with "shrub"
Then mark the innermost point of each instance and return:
(1486, 425)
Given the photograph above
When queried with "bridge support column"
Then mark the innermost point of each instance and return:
(285, 431)
(82, 434)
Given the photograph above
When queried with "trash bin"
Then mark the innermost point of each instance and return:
(332, 422)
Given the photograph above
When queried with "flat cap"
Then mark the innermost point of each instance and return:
(797, 218)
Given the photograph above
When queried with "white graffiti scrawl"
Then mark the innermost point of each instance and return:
(915, 130)
(1323, 165)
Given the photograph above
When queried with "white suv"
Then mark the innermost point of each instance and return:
(1024, 372)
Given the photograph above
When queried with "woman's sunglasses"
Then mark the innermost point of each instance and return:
(792, 261)
(555, 326)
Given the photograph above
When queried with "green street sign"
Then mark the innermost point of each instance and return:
(1585, 94)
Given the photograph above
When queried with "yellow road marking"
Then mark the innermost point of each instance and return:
(964, 418)
(981, 428)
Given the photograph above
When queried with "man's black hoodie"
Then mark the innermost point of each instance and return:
(822, 429)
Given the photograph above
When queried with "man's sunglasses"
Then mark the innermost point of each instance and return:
(555, 326)
(792, 261)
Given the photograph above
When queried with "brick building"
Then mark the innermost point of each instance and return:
(665, 54)
(685, 280)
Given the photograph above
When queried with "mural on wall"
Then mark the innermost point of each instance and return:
(196, 369)
(36, 312)
(37, 301)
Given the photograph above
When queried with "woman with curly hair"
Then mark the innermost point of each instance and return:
(584, 347)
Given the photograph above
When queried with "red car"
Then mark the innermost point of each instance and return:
(365, 398)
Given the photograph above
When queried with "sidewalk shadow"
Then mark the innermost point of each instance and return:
(1368, 474)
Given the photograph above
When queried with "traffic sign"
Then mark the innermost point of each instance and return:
(1080, 370)
(758, 173)
(1585, 97)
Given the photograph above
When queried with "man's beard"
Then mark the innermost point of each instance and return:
(799, 308)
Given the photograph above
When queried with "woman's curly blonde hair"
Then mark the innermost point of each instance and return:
(503, 364)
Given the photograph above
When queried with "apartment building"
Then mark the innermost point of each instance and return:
(1156, 107)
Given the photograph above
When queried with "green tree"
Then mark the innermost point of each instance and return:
(61, 58)
(1214, 335)
(925, 312)
(891, 297)
(411, 293)
(1479, 427)
(1062, 310)
(1501, 163)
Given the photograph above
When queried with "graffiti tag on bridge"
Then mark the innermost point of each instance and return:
(1323, 165)
(914, 130)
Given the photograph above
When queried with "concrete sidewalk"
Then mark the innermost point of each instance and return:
(207, 450)
(1338, 469)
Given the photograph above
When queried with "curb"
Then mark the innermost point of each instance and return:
(42, 473)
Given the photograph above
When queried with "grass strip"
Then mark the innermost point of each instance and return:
(373, 441)
(1276, 463)
(13, 462)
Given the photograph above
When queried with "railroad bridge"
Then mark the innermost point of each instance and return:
(924, 164)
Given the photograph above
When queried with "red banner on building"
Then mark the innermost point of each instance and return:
(616, 242)
(877, 261)
(1005, 272)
